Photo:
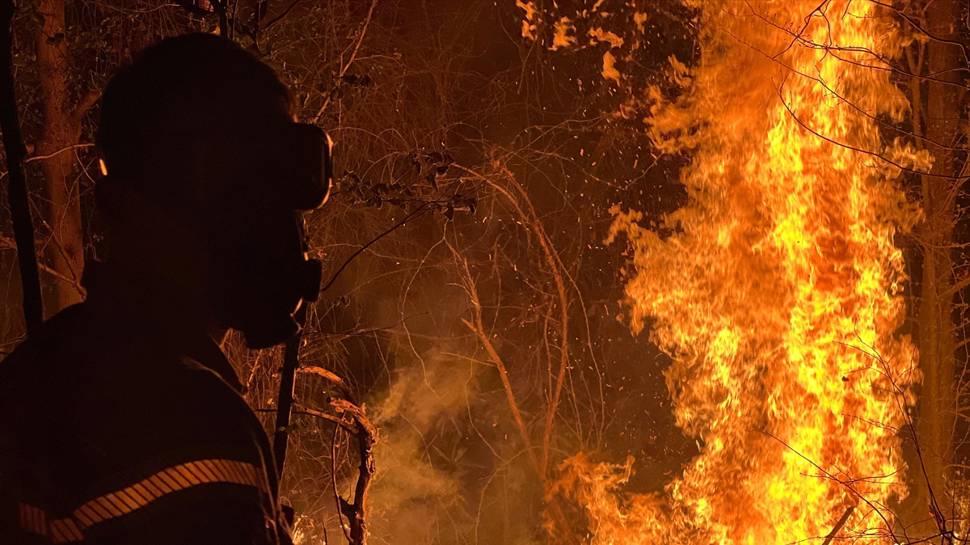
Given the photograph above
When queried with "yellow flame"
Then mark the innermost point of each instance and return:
(778, 295)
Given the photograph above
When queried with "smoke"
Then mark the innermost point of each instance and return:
(447, 472)
(411, 492)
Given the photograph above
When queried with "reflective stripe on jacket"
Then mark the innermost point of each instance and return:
(111, 432)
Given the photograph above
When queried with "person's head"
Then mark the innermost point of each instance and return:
(207, 176)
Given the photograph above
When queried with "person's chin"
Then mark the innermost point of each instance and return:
(269, 327)
(269, 332)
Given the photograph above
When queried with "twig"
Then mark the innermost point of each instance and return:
(353, 56)
(360, 250)
(556, 270)
(280, 17)
(530, 217)
(333, 481)
(325, 416)
(477, 326)
(828, 475)
(7, 243)
(857, 149)
(838, 525)
(321, 372)
(307, 411)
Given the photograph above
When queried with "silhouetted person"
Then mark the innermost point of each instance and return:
(122, 422)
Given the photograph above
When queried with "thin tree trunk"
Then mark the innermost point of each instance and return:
(61, 129)
(13, 144)
(939, 117)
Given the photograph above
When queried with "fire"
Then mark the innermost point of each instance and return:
(777, 289)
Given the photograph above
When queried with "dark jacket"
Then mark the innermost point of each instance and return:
(113, 432)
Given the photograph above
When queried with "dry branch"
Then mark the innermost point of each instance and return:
(522, 204)
(477, 326)
(356, 510)
(838, 525)
(321, 372)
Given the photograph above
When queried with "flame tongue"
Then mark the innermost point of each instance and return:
(779, 285)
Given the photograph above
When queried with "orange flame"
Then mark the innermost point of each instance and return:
(778, 293)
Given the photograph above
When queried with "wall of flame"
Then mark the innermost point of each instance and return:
(778, 289)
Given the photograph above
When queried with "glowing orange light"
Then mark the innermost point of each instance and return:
(778, 295)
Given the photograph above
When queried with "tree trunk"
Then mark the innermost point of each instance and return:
(62, 128)
(939, 119)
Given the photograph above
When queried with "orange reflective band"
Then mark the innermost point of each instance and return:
(65, 530)
(169, 480)
(34, 520)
